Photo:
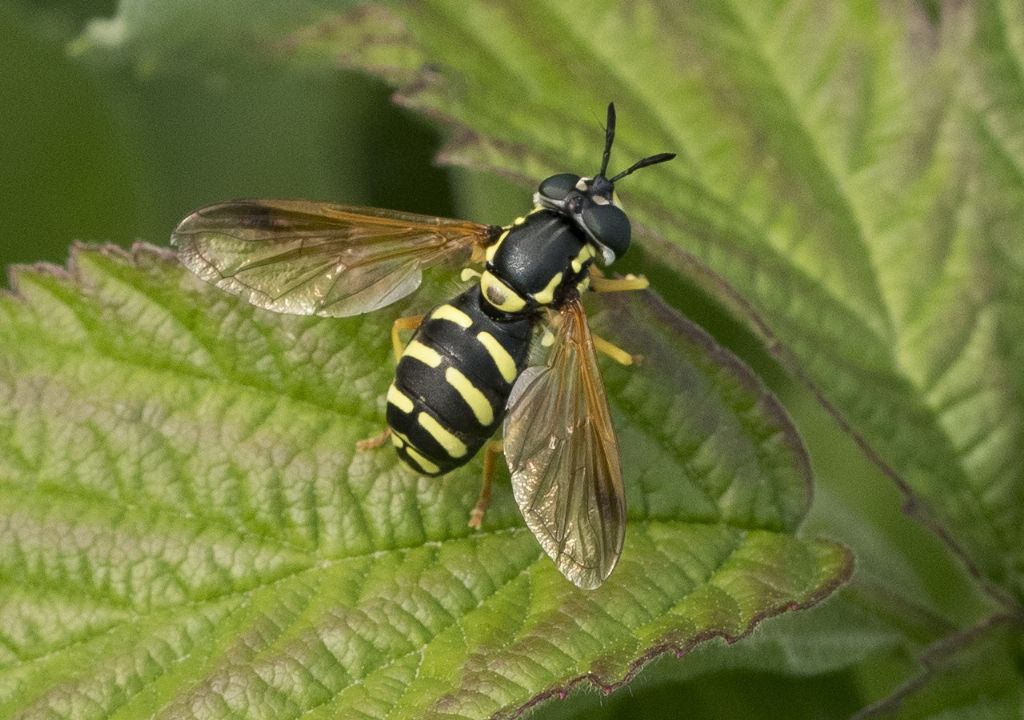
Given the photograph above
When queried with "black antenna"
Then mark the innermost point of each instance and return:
(609, 138)
(652, 160)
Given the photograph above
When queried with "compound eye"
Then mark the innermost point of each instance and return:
(557, 187)
(609, 226)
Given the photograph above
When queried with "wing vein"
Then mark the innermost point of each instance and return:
(564, 459)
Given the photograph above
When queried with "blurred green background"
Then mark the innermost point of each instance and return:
(108, 153)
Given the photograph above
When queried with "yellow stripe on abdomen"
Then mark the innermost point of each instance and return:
(451, 444)
(401, 442)
(476, 400)
(424, 354)
(452, 314)
(417, 457)
(504, 362)
(399, 399)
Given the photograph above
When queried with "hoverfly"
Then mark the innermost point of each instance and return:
(465, 368)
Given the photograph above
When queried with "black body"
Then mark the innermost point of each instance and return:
(431, 393)
(535, 252)
(451, 389)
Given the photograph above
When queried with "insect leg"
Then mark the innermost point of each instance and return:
(600, 283)
(410, 322)
(373, 442)
(476, 515)
(614, 351)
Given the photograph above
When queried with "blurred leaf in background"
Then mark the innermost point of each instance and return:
(67, 172)
(845, 211)
(104, 149)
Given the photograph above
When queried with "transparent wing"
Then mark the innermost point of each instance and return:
(561, 450)
(309, 258)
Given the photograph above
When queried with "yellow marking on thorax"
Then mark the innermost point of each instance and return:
(493, 247)
(506, 365)
(585, 253)
(499, 294)
(476, 400)
(452, 314)
(547, 295)
(417, 457)
(424, 354)
(451, 444)
(399, 399)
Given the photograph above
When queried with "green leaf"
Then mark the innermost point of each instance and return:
(187, 530)
(727, 694)
(971, 674)
(849, 181)
(189, 37)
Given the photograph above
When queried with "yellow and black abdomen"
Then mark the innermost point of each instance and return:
(453, 381)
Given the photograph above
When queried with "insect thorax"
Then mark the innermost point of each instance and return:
(536, 263)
